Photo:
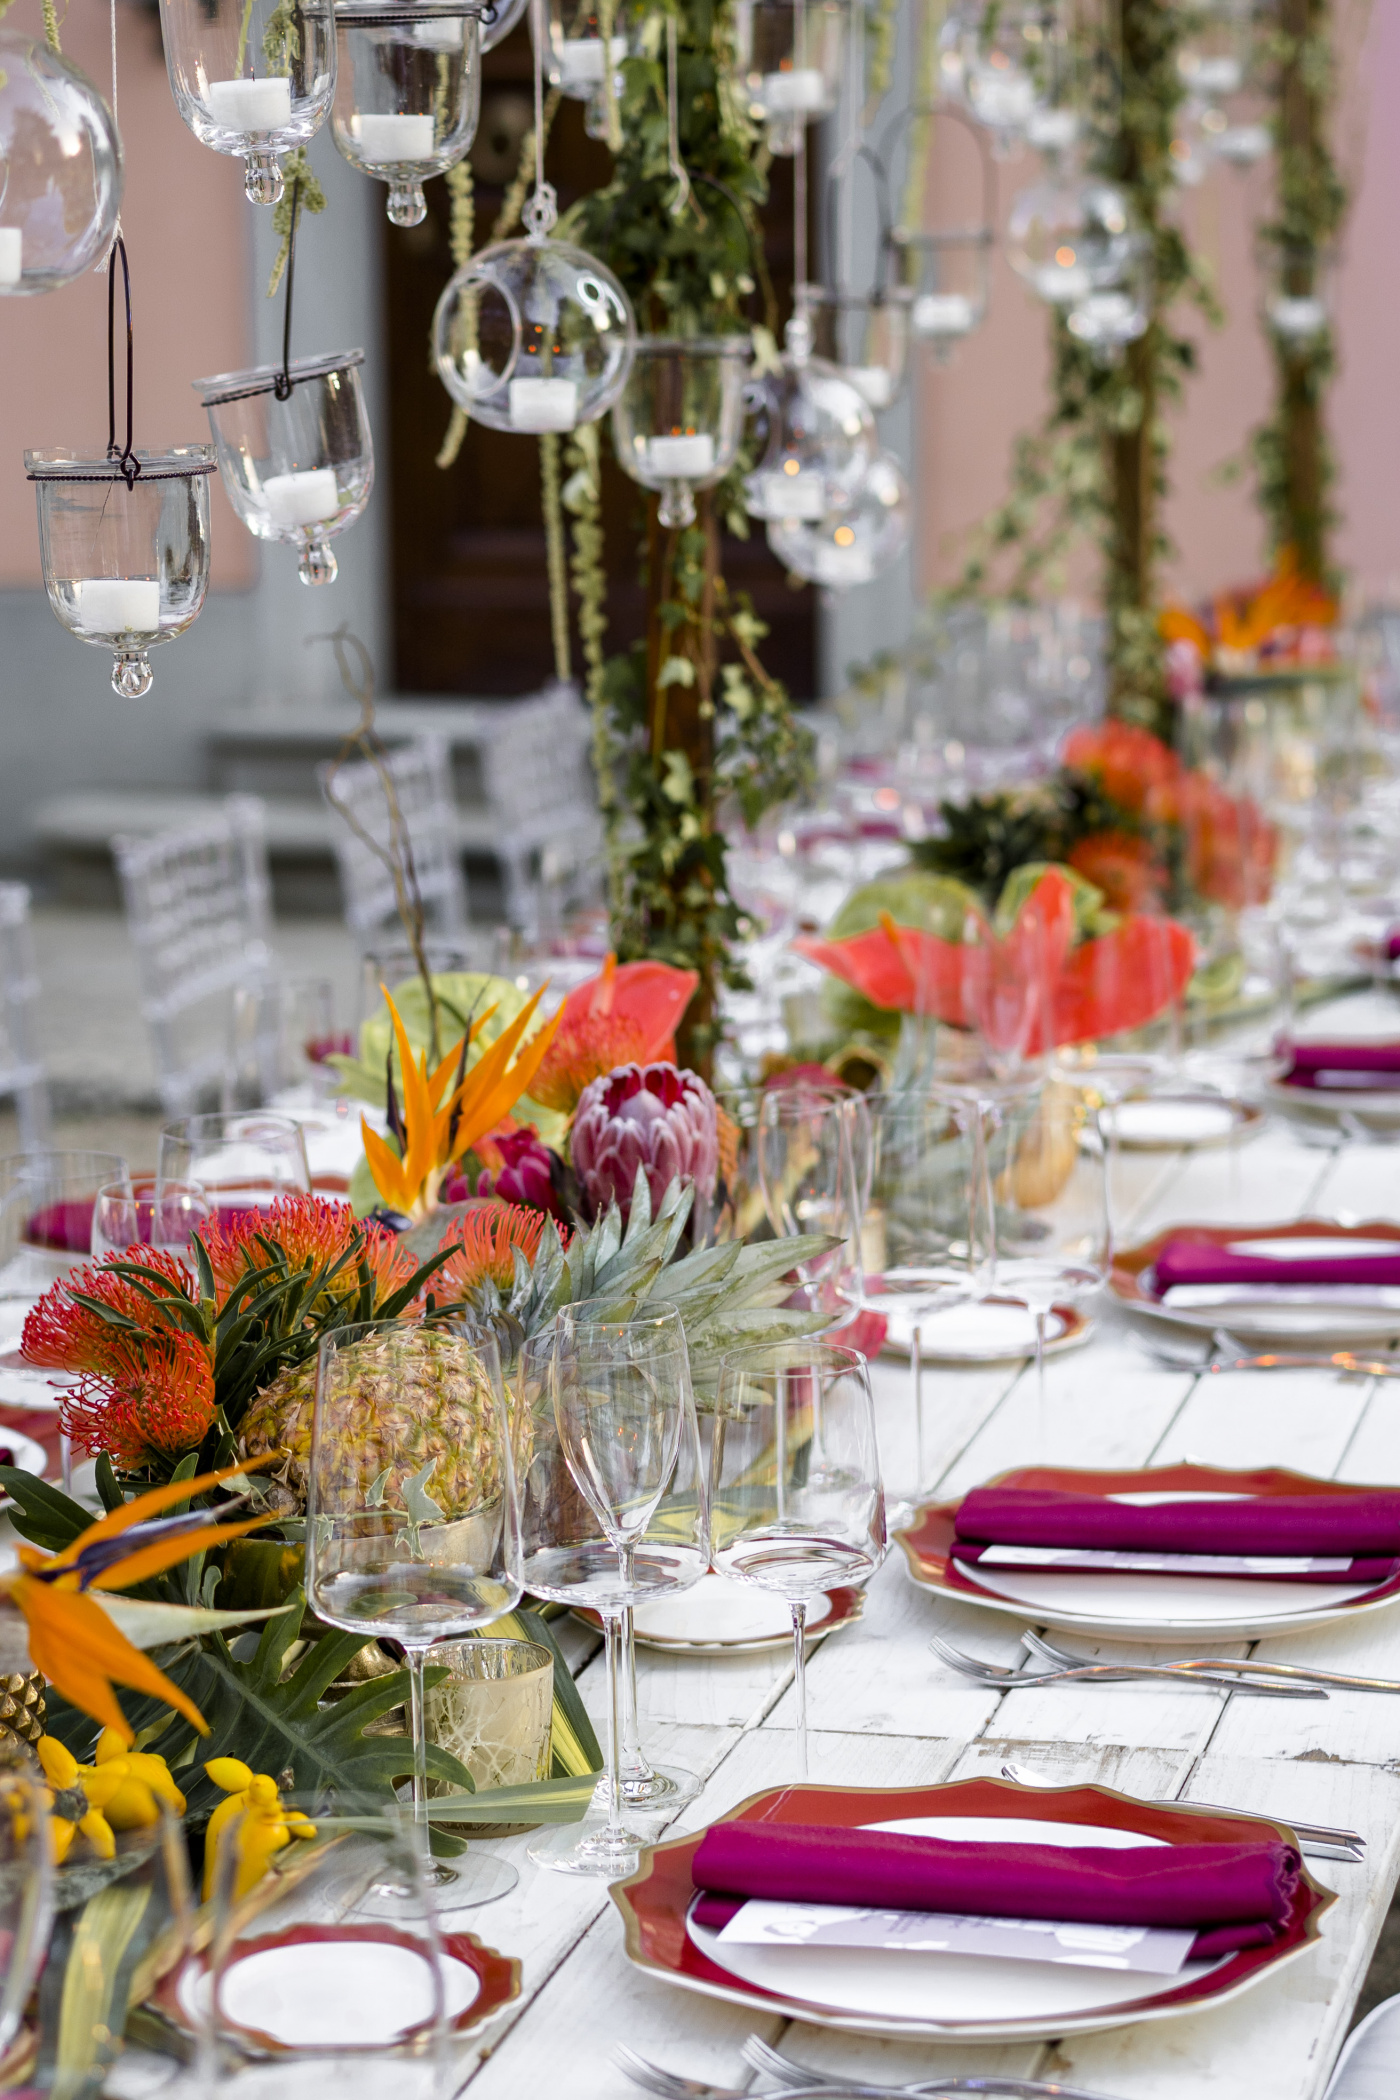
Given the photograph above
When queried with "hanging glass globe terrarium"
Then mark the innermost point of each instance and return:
(820, 437)
(679, 418)
(584, 46)
(789, 53)
(1068, 239)
(60, 168)
(854, 545)
(251, 77)
(125, 549)
(295, 453)
(407, 93)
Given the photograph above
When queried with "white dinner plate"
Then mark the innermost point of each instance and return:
(1378, 1108)
(718, 1617)
(988, 1331)
(1169, 1122)
(25, 1455)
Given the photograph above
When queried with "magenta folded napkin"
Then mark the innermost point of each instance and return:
(1344, 1067)
(1235, 1895)
(1201, 1261)
(64, 1227)
(1364, 1527)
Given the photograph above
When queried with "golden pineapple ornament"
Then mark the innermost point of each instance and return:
(21, 1712)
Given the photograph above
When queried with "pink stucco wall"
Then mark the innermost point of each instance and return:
(970, 410)
(187, 240)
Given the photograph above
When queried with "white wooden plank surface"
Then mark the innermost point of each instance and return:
(884, 1711)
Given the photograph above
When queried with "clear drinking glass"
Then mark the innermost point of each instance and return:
(797, 1501)
(813, 1164)
(616, 1511)
(46, 1205)
(412, 1514)
(148, 1213)
(243, 1162)
(26, 1893)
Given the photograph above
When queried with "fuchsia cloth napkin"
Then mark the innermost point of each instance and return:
(1235, 1895)
(1344, 1067)
(1365, 1527)
(64, 1227)
(1186, 1260)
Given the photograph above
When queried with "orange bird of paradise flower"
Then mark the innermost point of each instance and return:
(440, 1125)
(72, 1640)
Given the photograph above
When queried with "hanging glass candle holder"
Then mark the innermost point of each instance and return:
(407, 93)
(1107, 321)
(1007, 63)
(947, 269)
(506, 17)
(1295, 292)
(251, 77)
(60, 168)
(1214, 58)
(853, 545)
(788, 53)
(581, 45)
(865, 335)
(679, 418)
(821, 439)
(125, 549)
(296, 464)
(534, 335)
(1068, 239)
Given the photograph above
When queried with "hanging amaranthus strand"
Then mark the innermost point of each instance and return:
(554, 553)
(299, 184)
(51, 25)
(461, 233)
(582, 498)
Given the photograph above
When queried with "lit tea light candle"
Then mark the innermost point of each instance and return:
(395, 138)
(1061, 283)
(11, 255)
(250, 105)
(873, 382)
(307, 498)
(683, 456)
(543, 404)
(942, 313)
(795, 495)
(801, 89)
(581, 60)
(118, 605)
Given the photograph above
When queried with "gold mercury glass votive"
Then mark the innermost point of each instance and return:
(495, 1709)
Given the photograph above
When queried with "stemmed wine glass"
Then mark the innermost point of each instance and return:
(243, 1162)
(412, 1514)
(795, 1490)
(625, 1428)
(814, 1168)
(143, 1213)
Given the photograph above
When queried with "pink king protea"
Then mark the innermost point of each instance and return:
(650, 1116)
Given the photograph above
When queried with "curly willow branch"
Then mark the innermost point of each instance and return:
(554, 553)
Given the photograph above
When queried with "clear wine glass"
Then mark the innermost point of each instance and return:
(633, 1471)
(796, 1496)
(412, 1514)
(26, 1893)
(147, 1213)
(814, 1167)
(244, 1162)
(46, 1205)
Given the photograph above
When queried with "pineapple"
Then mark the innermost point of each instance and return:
(22, 1710)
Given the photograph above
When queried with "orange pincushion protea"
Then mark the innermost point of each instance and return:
(60, 1334)
(156, 1398)
(307, 1229)
(488, 1236)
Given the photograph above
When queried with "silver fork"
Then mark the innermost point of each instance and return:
(1194, 1665)
(794, 2076)
(1318, 1840)
(669, 2085)
(1004, 1679)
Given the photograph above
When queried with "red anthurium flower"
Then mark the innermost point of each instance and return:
(652, 994)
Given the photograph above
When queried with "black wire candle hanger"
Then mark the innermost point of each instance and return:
(124, 460)
(282, 385)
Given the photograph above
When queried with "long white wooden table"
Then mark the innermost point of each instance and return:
(883, 1711)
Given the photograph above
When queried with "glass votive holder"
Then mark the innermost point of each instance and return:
(495, 1709)
(853, 545)
(579, 56)
(125, 551)
(864, 334)
(60, 168)
(295, 452)
(788, 53)
(679, 418)
(821, 440)
(534, 335)
(251, 77)
(407, 94)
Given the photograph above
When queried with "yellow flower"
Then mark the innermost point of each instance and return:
(70, 1784)
(253, 1819)
(145, 1784)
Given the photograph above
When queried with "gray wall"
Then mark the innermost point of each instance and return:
(61, 725)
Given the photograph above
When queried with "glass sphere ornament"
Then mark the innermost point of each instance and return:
(581, 47)
(789, 55)
(125, 548)
(534, 335)
(820, 437)
(1107, 321)
(251, 77)
(864, 334)
(1071, 238)
(677, 423)
(295, 453)
(1008, 63)
(853, 545)
(508, 15)
(407, 94)
(60, 168)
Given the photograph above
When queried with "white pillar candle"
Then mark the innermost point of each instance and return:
(581, 60)
(942, 313)
(801, 89)
(394, 138)
(686, 457)
(11, 255)
(874, 382)
(543, 404)
(250, 105)
(307, 498)
(118, 605)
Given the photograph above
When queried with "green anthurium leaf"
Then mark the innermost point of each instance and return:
(912, 897)
(43, 1514)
